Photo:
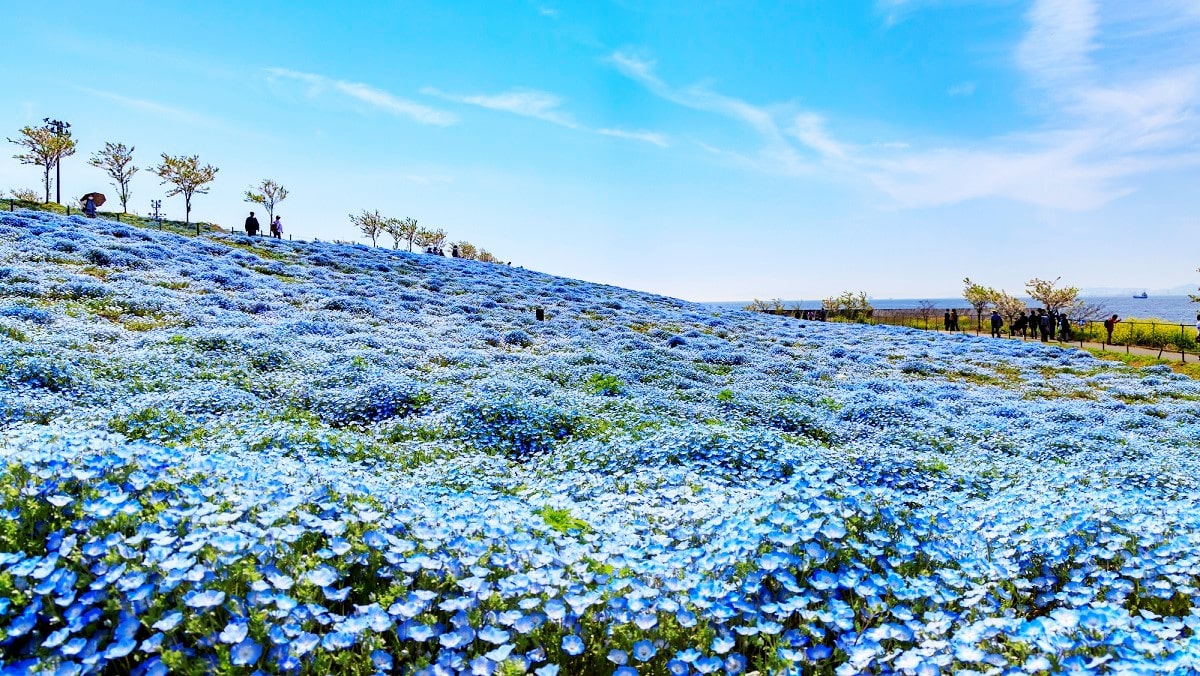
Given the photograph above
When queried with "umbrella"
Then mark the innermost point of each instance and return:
(97, 197)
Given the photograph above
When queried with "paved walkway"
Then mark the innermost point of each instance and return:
(1131, 349)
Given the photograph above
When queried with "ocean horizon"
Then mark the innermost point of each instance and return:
(1175, 308)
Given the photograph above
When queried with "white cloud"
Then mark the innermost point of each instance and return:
(525, 102)
(377, 98)
(1060, 40)
(544, 106)
(155, 108)
(776, 155)
(1108, 116)
(645, 136)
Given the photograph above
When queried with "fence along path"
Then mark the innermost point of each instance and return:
(1160, 340)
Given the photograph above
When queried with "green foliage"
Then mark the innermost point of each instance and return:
(725, 396)
(23, 194)
(45, 148)
(561, 520)
(849, 305)
(606, 385)
(157, 425)
(117, 161)
(14, 333)
(369, 223)
(187, 176)
(268, 194)
(401, 229)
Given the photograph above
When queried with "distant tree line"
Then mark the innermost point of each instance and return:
(407, 231)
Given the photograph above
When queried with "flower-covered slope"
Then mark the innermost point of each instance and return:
(224, 455)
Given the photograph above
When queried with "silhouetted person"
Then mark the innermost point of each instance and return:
(1019, 325)
(1044, 325)
(954, 320)
(1053, 315)
(997, 322)
(89, 206)
(277, 227)
(1111, 323)
(946, 320)
(1064, 328)
(251, 225)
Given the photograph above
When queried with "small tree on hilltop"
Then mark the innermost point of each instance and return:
(467, 250)
(268, 194)
(45, 147)
(979, 297)
(1050, 295)
(427, 237)
(487, 257)
(926, 309)
(117, 161)
(23, 194)
(369, 223)
(401, 230)
(189, 178)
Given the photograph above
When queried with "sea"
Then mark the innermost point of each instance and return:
(1175, 309)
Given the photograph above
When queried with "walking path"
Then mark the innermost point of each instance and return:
(1151, 352)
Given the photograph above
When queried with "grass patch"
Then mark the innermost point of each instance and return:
(1137, 361)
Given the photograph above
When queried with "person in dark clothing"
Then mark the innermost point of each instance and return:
(89, 206)
(1019, 325)
(1064, 328)
(997, 322)
(1109, 325)
(1044, 325)
(251, 225)
(946, 320)
(954, 320)
(1053, 315)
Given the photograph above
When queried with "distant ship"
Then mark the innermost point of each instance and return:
(1141, 295)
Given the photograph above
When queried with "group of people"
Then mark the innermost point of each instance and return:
(1039, 323)
(276, 226)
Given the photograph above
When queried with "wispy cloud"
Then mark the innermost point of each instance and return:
(1101, 127)
(372, 96)
(155, 108)
(776, 154)
(525, 102)
(651, 137)
(543, 106)
(962, 89)
(1060, 39)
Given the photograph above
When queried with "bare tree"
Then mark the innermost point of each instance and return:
(926, 309)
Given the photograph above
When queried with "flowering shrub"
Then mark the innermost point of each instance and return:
(232, 456)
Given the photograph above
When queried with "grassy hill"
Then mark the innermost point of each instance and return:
(223, 455)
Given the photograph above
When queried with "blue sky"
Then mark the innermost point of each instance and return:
(708, 150)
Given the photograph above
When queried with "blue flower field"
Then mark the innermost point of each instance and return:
(225, 456)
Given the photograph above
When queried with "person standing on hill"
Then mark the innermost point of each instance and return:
(1044, 325)
(1111, 323)
(89, 206)
(946, 320)
(1064, 328)
(997, 322)
(954, 320)
(1198, 328)
(277, 227)
(251, 225)
(1019, 325)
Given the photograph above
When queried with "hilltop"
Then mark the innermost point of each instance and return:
(225, 454)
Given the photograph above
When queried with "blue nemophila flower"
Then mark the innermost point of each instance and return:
(644, 650)
(493, 635)
(209, 598)
(572, 645)
(245, 653)
(618, 656)
(234, 632)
